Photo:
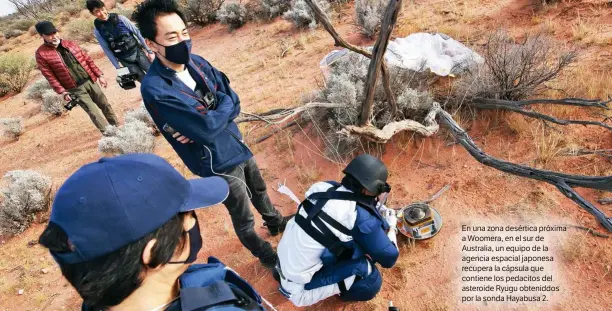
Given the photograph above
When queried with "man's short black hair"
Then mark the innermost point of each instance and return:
(94, 4)
(108, 280)
(146, 14)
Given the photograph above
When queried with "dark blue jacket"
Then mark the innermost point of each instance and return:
(171, 103)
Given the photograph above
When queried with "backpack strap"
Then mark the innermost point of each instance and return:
(321, 233)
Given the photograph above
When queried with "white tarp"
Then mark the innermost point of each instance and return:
(437, 53)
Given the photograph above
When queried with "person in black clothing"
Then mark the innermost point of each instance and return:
(120, 39)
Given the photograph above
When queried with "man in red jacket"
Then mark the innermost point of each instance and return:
(70, 70)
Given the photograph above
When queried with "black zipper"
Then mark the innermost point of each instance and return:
(239, 141)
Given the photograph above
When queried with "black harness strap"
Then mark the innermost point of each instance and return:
(342, 287)
(334, 223)
(321, 233)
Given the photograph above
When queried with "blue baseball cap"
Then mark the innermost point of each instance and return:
(116, 201)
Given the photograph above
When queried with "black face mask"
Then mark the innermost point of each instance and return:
(178, 53)
(195, 244)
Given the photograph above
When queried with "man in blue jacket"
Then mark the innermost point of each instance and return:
(194, 107)
(120, 39)
(340, 231)
(128, 243)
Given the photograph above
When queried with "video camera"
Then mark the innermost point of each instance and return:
(126, 79)
(74, 101)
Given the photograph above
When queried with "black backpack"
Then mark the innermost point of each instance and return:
(122, 43)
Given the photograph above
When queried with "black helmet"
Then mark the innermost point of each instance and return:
(370, 172)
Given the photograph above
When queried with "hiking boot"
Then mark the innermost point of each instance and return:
(276, 229)
(269, 261)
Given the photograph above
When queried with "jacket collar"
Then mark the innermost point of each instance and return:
(51, 46)
(170, 74)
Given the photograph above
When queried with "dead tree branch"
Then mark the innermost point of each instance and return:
(580, 102)
(437, 195)
(519, 107)
(580, 152)
(605, 201)
(591, 231)
(279, 116)
(563, 182)
(276, 130)
(378, 53)
(383, 135)
(339, 41)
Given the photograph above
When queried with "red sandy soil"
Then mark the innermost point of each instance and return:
(427, 274)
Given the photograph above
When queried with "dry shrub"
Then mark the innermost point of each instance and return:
(201, 12)
(135, 136)
(13, 33)
(62, 18)
(369, 15)
(6, 48)
(302, 16)
(141, 114)
(346, 85)
(32, 31)
(548, 144)
(27, 193)
(573, 247)
(81, 30)
(514, 70)
(52, 103)
(232, 14)
(23, 24)
(121, 10)
(273, 8)
(36, 90)
(12, 128)
(517, 123)
(73, 8)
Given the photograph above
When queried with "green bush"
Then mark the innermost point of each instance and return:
(15, 69)
(23, 24)
(81, 30)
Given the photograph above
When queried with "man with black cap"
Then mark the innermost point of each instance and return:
(338, 235)
(70, 71)
(124, 232)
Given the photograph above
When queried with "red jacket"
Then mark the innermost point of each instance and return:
(52, 65)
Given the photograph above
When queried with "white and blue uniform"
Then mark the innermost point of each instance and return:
(308, 275)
